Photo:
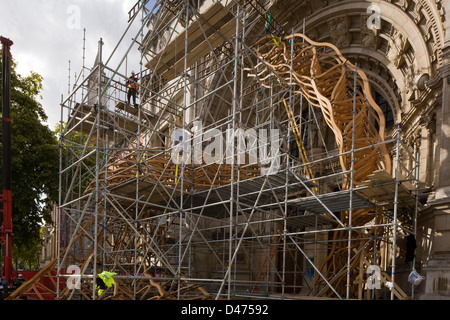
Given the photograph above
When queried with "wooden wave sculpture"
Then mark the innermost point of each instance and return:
(326, 79)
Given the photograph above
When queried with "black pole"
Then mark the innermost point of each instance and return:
(6, 232)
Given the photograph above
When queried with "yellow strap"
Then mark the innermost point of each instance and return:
(142, 158)
(299, 141)
(176, 169)
(275, 40)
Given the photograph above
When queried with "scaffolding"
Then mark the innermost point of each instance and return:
(289, 223)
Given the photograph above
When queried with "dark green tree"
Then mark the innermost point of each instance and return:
(34, 165)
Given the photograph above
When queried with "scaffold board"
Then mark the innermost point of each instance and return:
(381, 189)
(334, 202)
(127, 108)
(309, 220)
(83, 117)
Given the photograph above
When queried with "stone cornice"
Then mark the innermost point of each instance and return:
(444, 71)
(441, 203)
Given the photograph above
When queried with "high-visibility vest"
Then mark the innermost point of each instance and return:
(107, 278)
(132, 82)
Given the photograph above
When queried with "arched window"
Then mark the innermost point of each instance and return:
(387, 110)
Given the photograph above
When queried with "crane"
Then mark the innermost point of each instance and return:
(6, 218)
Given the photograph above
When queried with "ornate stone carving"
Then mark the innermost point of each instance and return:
(404, 4)
(369, 37)
(431, 123)
(339, 31)
(417, 138)
(420, 80)
(417, 13)
(410, 77)
(396, 47)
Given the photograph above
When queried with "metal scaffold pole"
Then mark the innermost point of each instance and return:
(98, 209)
(352, 171)
(395, 215)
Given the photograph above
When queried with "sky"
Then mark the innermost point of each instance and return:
(47, 34)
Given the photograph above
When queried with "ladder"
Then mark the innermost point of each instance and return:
(134, 11)
(300, 145)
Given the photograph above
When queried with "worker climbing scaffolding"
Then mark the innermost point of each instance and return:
(132, 88)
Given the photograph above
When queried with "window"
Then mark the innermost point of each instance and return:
(387, 110)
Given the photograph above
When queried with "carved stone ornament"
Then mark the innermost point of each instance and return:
(339, 31)
(396, 48)
(369, 37)
(410, 78)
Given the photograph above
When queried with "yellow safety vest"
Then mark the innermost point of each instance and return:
(108, 279)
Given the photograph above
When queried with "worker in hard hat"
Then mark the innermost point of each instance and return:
(19, 281)
(132, 88)
(105, 280)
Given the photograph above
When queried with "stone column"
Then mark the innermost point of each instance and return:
(435, 220)
(443, 187)
(430, 167)
(426, 153)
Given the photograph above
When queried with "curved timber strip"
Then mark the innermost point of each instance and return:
(326, 79)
